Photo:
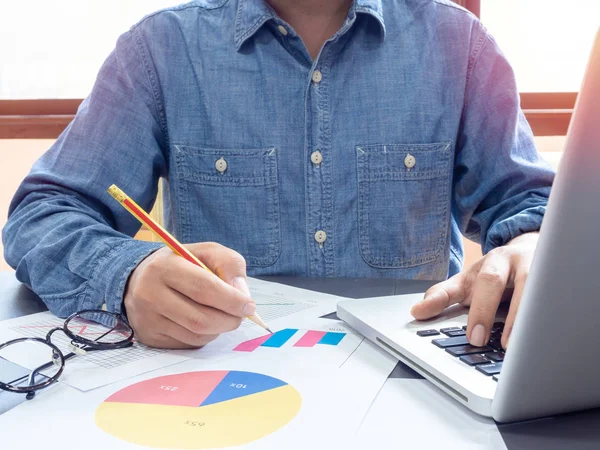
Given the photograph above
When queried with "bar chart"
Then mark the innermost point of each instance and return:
(307, 339)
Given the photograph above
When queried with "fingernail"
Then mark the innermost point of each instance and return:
(249, 309)
(241, 284)
(478, 336)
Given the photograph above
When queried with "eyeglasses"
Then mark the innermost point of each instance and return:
(88, 330)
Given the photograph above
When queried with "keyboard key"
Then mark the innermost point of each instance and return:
(464, 327)
(456, 333)
(424, 333)
(495, 343)
(450, 329)
(467, 350)
(490, 369)
(451, 342)
(498, 326)
(474, 360)
(496, 356)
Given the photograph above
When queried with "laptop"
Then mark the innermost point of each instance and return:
(552, 364)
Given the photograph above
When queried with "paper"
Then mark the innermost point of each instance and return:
(88, 371)
(415, 414)
(250, 400)
(275, 302)
(281, 307)
(305, 386)
(329, 341)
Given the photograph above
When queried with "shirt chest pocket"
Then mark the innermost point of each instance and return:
(403, 203)
(231, 196)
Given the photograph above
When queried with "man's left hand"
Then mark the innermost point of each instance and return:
(481, 286)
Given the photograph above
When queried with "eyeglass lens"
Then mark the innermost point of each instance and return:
(31, 355)
(99, 327)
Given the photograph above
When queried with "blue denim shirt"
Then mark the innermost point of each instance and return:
(369, 161)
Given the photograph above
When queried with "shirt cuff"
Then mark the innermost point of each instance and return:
(112, 272)
(501, 233)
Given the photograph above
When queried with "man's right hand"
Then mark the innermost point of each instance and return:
(172, 303)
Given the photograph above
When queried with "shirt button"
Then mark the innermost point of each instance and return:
(282, 30)
(316, 158)
(221, 165)
(320, 236)
(410, 161)
(317, 76)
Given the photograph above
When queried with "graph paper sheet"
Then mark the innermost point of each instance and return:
(88, 371)
(276, 301)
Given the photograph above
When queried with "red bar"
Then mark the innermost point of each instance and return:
(310, 339)
(250, 346)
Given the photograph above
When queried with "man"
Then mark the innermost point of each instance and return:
(341, 138)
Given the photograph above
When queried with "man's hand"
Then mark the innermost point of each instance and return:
(481, 287)
(171, 303)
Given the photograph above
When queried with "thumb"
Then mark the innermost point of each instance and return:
(224, 262)
(439, 297)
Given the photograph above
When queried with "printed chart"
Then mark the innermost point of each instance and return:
(199, 410)
(310, 338)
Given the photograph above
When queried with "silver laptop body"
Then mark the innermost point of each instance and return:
(552, 365)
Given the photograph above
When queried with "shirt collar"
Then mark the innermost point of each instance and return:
(253, 14)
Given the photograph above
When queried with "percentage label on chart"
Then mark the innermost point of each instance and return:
(192, 423)
(169, 388)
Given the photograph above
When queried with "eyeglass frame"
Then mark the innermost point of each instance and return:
(77, 342)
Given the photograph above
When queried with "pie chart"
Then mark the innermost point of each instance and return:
(199, 410)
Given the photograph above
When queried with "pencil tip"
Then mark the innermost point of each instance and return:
(269, 330)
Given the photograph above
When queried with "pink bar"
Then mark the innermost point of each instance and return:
(310, 339)
(250, 346)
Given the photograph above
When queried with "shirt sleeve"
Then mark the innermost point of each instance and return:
(501, 185)
(67, 238)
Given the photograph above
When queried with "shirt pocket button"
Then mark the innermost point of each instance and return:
(410, 161)
(221, 165)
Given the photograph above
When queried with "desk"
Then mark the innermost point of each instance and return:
(574, 431)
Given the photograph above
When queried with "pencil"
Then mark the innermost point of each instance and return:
(166, 237)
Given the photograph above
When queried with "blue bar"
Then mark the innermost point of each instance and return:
(279, 338)
(332, 338)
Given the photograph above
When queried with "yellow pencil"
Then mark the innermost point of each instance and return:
(166, 237)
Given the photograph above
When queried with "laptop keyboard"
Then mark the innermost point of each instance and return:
(487, 359)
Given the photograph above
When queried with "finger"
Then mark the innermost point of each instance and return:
(206, 288)
(226, 263)
(150, 337)
(195, 318)
(519, 282)
(162, 341)
(487, 293)
(175, 332)
(168, 342)
(439, 297)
